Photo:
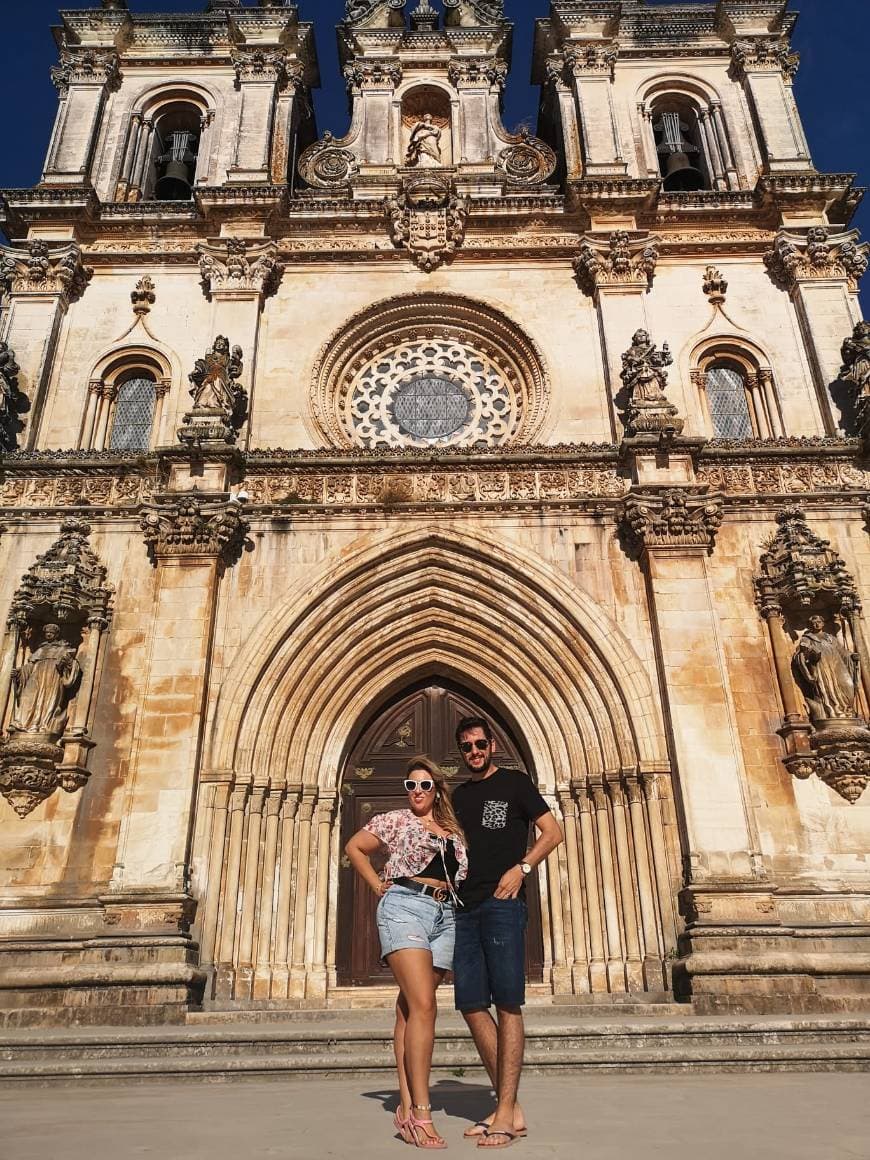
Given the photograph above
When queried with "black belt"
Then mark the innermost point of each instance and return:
(439, 893)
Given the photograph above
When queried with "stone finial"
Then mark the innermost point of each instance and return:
(220, 405)
(619, 260)
(675, 519)
(647, 410)
(38, 268)
(237, 264)
(10, 398)
(424, 18)
(143, 297)
(818, 254)
(191, 527)
(715, 286)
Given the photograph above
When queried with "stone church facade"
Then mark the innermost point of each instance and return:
(311, 444)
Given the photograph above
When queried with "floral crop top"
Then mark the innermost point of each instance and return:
(411, 845)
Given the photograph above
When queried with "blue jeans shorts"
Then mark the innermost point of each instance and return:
(490, 961)
(411, 921)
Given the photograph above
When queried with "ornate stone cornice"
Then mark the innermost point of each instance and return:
(428, 219)
(477, 72)
(86, 67)
(42, 269)
(679, 518)
(817, 255)
(373, 74)
(191, 527)
(799, 569)
(764, 54)
(620, 260)
(235, 264)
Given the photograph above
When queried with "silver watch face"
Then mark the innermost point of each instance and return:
(525, 867)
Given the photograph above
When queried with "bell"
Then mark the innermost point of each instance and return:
(681, 176)
(175, 184)
(178, 169)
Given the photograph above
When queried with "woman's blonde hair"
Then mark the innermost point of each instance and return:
(442, 811)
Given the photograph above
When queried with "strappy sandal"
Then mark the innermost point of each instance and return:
(422, 1139)
(482, 1127)
(403, 1127)
(510, 1139)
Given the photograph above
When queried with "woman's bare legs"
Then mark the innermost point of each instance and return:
(416, 1011)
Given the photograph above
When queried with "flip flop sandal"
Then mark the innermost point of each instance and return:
(472, 1134)
(510, 1137)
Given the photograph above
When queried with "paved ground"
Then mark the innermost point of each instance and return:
(724, 1117)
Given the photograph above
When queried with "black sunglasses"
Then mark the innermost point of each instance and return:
(425, 786)
(481, 744)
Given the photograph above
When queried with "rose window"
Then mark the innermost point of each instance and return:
(432, 392)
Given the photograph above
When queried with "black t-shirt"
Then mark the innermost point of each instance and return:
(495, 812)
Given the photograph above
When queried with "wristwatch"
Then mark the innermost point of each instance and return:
(526, 868)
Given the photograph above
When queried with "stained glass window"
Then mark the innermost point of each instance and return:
(431, 407)
(728, 405)
(134, 415)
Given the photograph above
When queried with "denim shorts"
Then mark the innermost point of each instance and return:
(411, 921)
(490, 961)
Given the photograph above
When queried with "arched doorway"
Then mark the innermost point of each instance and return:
(421, 719)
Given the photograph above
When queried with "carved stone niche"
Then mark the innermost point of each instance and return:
(52, 653)
(813, 613)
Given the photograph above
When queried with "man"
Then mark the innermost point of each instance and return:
(495, 809)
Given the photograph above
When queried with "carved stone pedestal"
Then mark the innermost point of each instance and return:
(29, 771)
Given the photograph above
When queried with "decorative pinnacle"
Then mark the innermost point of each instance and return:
(424, 18)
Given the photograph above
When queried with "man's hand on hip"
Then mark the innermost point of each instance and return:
(510, 884)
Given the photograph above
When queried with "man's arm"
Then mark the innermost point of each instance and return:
(549, 837)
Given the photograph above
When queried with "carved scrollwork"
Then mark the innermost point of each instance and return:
(529, 162)
(356, 11)
(44, 269)
(477, 71)
(91, 66)
(326, 165)
(191, 527)
(765, 54)
(377, 74)
(677, 518)
(620, 259)
(485, 11)
(817, 255)
(237, 264)
(592, 58)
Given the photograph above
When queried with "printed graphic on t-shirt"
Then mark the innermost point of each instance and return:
(495, 815)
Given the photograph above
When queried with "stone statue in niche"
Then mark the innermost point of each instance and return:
(827, 673)
(214, 376)
(424, 149)
(644, 369)
(44, 685)
(9, 397)
(856, 360)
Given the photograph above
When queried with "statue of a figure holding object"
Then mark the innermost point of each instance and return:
(44, 685)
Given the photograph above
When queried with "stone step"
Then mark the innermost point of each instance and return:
(352, 1047)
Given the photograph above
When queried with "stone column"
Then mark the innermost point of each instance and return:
(597, 963)
(262, 986)
(41, 280)
(298, 963)
(325, 815)
(225, 958)
(721, 130)
(616, 979)
(283, 907)
(244, 982)
(191, 541)
(219, 811)
(142, 159)
(820, 271)
(656, 794)
(130, 152)
(625, 864)
(673, 532)
(83, 79)
(580, 966)
(652, 948)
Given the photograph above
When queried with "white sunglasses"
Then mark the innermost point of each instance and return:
(425, 786)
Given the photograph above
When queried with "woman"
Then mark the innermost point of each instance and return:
(427, 861)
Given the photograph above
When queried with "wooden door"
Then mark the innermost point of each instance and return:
(422, 720)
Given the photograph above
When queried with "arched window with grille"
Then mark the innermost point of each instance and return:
(133, 416)
(738, 396)
(124, 402)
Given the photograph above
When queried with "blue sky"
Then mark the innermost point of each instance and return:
(832, 87)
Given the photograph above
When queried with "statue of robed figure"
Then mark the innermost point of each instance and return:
(44, 685)
(828, 674)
